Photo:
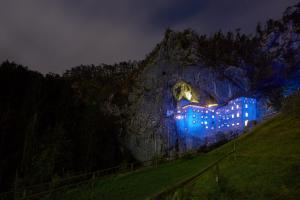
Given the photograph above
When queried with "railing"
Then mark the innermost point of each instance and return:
(170, 190)
(182, 189)
(39, 190)
(168, 193)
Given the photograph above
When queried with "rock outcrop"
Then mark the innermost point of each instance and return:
(151, 128)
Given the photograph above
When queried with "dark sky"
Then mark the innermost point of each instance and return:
(54, 35)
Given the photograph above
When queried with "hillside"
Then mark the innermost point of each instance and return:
(267, 166)
(219, 68)
(94, 117)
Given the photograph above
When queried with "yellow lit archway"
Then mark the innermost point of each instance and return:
(182, 90)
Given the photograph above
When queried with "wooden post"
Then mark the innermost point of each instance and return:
(217, 173)
(131, 166)
(24, 194)
(15, 185)
(234, 150)
(93, 180)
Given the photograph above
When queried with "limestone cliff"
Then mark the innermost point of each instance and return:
(150, 126)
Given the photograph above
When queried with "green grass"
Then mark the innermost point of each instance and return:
(140, 184)
(267, 166)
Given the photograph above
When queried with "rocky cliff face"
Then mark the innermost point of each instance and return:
(151, 127)
(282, 44)
(218, 68)
(152, 130)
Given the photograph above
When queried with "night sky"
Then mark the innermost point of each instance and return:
(54, 35)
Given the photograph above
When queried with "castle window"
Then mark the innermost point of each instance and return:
(232, 115)
(178, 117)
(238, 115)
(246, 105)
(246, 123)
(246, 114)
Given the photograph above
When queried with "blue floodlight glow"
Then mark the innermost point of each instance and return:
(195, 120)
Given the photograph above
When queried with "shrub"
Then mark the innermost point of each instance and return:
(291, 104)
(188, 156)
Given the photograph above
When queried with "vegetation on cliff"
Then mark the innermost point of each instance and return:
(56, 125)
(265, 166)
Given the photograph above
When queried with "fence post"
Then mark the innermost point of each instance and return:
(93, 180)
(131, 166)
(217, 173)
(234, 150)
(24, 194)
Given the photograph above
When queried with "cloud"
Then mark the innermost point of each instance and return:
(232, 14)
(49, 37)
(59, 34)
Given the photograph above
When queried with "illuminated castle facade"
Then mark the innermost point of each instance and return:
(196, 121)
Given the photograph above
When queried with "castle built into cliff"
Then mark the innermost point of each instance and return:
(195, 120)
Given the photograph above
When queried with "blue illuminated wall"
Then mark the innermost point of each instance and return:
(202, 122)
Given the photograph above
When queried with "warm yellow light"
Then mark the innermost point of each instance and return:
(195, 106)
(182, 90)
(211, 105)
(188, 95)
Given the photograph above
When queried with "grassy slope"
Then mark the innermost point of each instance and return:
(139, 184)
(267, 165)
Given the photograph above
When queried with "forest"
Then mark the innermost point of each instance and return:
(58, 125)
